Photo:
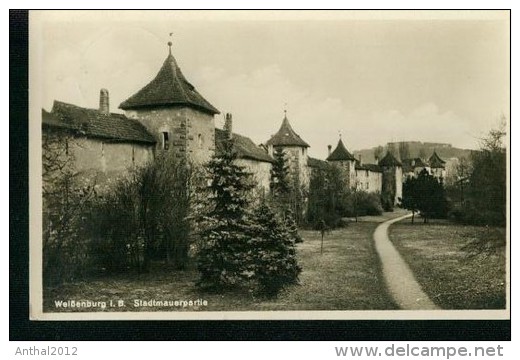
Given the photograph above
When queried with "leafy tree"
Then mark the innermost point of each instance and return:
(225, 256)
(487, 188)
(327, 191)
(457, 180)
(425, 194)
(410, 199)
(387, 201)
(354, 200)
(179, 179)
(117, 248)
(274, 255)
(153, 202)
(361, 203)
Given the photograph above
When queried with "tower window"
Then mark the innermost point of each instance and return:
(199, 141)
(166, 142)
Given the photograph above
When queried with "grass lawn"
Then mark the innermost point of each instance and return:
(453, 277)
(345, 277)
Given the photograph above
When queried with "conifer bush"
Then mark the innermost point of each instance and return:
(274, 258)
(224, 256)
(292, 228)
(241, 247)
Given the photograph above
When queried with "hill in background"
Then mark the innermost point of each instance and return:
(416, 149)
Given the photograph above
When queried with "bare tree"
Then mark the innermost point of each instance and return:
(64, 202)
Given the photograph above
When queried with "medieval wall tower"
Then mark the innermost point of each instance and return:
(171, 109)
(437, 166)
(392, 177)
(345, 161)
(295, 149)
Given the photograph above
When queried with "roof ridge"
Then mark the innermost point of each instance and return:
(112, 125)
(244, 146)
(175, 70)
(389, 160)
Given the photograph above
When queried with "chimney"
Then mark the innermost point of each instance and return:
(360, 162)
(228, 125)
(104, 105)
(329, 147)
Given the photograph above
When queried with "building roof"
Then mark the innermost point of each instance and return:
(317, 163)
(50, 120)
(410, 164)
(436, 162)
(389, 160)
(169, 87)
(244, 146)
(369, 167)
(340, 153)
(92, 123)
(286, 136)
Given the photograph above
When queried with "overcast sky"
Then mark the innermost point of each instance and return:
(372, 80)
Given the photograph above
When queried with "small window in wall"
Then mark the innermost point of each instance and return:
(133, 155)
(303, 151)
(165, 140)
(66, 147)
(199, 141)
(367, 186)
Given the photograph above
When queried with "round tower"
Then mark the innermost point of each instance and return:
(344, 160)
(392, 177)
(295, 149)
(181, 120)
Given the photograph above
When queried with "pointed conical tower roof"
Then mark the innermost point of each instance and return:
(340, 153)
(169, 87)
(389, 160)
(436, 162)
(286, 136)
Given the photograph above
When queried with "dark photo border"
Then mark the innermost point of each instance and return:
(21, 328)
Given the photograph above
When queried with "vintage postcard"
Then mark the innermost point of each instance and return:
(269, 165)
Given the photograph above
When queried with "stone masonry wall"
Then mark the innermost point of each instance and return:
(190, 132)
(101, 163)
(261, 172)
(99, 155)
(296, 157)
(392, 182)
(398, 184)
(369, 181)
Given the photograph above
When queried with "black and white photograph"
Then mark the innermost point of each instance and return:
(251, 165)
